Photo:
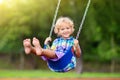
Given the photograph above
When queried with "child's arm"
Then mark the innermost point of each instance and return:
(77, 48)
(46, 42)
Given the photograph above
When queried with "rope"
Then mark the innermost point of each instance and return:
(81, 24)
(54, 19)
(83, 19)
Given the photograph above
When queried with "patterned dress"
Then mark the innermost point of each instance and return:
(61, 46)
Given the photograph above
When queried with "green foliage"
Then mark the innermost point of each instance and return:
(101, 33)
(99, 38)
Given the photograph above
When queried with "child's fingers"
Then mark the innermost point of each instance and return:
(49, 39)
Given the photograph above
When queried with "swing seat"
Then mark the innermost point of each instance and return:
(62, 62)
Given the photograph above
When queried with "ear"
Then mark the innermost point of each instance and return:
(56, 30)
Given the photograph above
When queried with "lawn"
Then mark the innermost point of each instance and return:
(50, 74)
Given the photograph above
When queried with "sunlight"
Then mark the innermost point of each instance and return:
(4, 1)
(1, 1)
(10, 2)
(7, 3)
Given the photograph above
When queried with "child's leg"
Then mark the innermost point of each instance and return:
(43, 52)
(27, 46)
(50, 54)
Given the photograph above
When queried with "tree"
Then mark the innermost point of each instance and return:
(108, 48)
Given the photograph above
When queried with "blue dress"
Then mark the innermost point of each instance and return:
(66, 59)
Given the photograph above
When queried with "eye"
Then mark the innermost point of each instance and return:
(68, 28)
(62, 29)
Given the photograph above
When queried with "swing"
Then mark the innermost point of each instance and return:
(56, 65)
(66, 59)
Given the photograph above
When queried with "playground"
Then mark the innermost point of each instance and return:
(96, 29)
(60, 79)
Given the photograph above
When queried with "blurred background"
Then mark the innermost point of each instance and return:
(99, 38)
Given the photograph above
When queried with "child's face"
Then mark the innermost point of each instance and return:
(65, 30)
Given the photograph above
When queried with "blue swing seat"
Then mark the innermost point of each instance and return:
(62, 62)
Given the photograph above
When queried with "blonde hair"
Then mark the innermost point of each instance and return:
(63, 20)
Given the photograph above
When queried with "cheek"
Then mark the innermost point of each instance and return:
(72, 30)
(60, 32)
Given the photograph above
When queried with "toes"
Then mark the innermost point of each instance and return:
(26, 42)
(27, 46)
(36, 42)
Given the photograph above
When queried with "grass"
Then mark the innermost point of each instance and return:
(50, 74)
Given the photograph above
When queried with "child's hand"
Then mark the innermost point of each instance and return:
(47, 40)
(77, 48)
(76, 42)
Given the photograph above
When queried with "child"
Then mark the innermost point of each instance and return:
(64, 28)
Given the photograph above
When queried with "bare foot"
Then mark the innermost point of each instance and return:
(27, 46)
(37, 46)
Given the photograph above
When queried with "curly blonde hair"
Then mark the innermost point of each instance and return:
(63, 20)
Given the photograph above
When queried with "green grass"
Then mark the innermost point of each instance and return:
(50, 74)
